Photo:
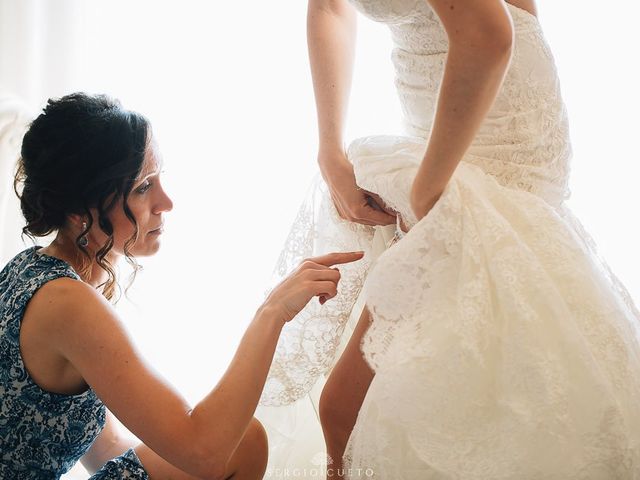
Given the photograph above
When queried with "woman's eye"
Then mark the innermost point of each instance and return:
(144, 187)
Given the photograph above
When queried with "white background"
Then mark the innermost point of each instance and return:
(228, 89)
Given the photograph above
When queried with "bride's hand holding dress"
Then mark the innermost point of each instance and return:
(331, 36)
(352, 202)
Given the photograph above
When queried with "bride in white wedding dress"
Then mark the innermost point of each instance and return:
(489, 341)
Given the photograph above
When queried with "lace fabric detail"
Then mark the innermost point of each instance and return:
(308, 343)
(524, 140)
(500, 348)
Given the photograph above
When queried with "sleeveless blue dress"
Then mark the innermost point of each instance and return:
(43, 434)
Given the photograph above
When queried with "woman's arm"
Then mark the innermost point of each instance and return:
(110, 443)
(200, 440)
(480, 40)
(107, 445)
(331, 36)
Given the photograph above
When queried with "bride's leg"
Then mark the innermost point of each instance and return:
(343, 394)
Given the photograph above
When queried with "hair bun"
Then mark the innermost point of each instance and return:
(82, 152)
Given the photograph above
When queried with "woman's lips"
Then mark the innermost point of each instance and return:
(158, 230)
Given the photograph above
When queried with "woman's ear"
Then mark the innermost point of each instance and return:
(76, 219)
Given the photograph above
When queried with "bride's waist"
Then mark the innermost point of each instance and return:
(391, 164)
(527, 137)
(548, 179)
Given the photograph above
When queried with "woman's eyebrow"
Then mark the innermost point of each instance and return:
(157, 171)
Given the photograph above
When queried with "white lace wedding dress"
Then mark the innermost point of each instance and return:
(503, 347)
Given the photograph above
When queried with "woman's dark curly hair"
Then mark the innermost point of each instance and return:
(82, 152)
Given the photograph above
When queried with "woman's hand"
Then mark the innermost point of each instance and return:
(313, 277)
(352, 202)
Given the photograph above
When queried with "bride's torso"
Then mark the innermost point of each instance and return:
(524, 139)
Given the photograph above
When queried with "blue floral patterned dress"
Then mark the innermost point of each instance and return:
(43, 434)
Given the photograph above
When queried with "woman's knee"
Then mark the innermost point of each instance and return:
(257, 442)
(249, 461)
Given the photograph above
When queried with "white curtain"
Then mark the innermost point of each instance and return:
(41, 45)
(40, 49)
(14, 117)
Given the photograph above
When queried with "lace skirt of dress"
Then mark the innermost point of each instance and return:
(503, 346)
(311, 343)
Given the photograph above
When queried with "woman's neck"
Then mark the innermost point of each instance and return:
(64, 248)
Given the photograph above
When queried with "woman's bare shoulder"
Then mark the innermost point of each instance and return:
(62, 300)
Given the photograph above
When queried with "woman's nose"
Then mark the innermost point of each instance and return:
(167, 204)
(164, 204)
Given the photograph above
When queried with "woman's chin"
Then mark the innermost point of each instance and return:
(149, 248)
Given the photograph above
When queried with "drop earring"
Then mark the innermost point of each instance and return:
(83, 241)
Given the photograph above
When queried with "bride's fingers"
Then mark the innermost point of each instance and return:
(368, 215)
(357, 215)
(345, 212)
(375, 217)
(376, 211)
(403, 226)
(377, 203)
(362, 219)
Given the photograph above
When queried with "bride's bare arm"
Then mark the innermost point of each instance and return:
(331, 36)
(480, 41)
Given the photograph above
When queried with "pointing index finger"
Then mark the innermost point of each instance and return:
(337, 258)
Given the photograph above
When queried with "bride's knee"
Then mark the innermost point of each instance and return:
(332, 416)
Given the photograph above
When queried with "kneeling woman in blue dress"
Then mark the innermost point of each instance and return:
(89, 173)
